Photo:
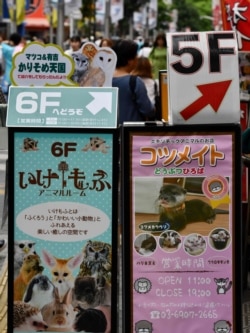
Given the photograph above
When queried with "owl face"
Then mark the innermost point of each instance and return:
(81, 61)
(94, 253)
(24, 247)
(105, 59)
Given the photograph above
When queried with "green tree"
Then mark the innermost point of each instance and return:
(192, 13)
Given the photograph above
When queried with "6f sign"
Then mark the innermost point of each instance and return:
(203, 78)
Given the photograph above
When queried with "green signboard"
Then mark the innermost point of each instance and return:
(71, 107)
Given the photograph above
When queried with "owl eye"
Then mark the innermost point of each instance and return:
(91, 249)
(101, 58)
(21, 246)
(30, 245)
(103, 251)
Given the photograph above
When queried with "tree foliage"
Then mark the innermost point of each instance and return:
(193, 14)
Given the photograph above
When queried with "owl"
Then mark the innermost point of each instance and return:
(21, 249)
(97, 260)
(81, 66)
(101, 69)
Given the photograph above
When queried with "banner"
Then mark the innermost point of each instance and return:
(35, 14)
(17, 15)
(182, 228)
(116, 10)
(236, 16)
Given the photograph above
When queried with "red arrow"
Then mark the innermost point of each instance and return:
(212, 94)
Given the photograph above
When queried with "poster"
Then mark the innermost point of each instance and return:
(64, 230)
(182, 229)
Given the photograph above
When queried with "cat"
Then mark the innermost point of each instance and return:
(21, 249)
(97, 260)
(223, 285)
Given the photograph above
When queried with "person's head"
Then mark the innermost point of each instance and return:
(106, 42)
(160, 40)
(75, 43)
(126, 51)
(143, 68)
(14, 39)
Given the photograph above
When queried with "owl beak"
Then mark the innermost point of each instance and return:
(26, 250)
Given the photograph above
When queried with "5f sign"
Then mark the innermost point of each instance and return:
(203, 78)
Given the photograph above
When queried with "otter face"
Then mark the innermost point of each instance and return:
(171, 195)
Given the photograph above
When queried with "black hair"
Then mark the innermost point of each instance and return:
(75, 38)
(125, 50)
(15, 38)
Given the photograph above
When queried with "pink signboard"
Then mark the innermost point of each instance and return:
(182, 229)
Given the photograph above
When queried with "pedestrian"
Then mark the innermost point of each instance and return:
(106, 42)
(8, 48)
(145, 49)
(134, 103)
(158, 54)
(75, 44)
(143, 69)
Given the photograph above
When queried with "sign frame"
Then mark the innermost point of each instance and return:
(110, 232)
(131, 133)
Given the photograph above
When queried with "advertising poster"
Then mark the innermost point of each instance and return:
(64, 231)
(182, 230)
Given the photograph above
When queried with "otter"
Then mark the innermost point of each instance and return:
(176, 211)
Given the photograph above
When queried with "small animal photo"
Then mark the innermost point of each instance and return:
(195, 244)
(170, 241)
(219, 239)
(145, 244)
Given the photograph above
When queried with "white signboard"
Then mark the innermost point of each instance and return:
(203, 78)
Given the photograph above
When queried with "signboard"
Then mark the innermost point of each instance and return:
(63, 239)
(76, 107)
(236, 16)
(203, 78)
(182, 231)
(47, 65)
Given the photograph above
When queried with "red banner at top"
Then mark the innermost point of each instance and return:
(236, 16)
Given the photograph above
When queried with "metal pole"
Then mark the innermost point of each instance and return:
(147, 21)
(60, 25)
(51, 29)
(107, 19)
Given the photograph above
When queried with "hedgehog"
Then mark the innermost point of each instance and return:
(27, 318)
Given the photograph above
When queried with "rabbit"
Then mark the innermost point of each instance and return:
(59, 315)
(39, 292)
